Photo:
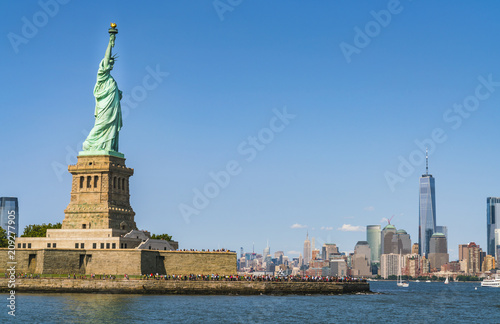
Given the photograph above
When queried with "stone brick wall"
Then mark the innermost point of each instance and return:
(182, 287)
(185, 262)
(100, 196)
(120, 261)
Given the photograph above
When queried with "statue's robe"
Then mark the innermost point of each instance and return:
(108, 113)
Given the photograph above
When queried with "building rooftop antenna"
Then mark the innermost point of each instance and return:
(426, 161)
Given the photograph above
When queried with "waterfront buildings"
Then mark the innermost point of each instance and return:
(497, 246)
(280, 257)
(412, 267)
(318, 268)
(315, 255)
(390, 265)
(453, 266)
(9, 210)
(463, 251)
(414, 248)
(425, 266)
(472, 258)
(338, 267)
(492, 204)
(328, 250)
(488, 263)
(427, 210)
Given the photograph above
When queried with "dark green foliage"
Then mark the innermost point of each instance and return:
(39, 230)
(3, 238)
(165, 237)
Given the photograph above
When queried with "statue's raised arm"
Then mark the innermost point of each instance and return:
(103, 138)
(112, 37)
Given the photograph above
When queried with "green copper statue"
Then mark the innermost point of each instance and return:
(103, 138)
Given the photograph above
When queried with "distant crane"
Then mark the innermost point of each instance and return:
(389, 220)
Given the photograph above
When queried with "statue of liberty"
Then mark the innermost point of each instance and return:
(103, 138)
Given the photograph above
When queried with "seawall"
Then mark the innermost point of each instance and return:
(175, 287)
(119, 261)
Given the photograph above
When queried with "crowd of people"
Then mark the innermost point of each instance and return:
(24, 275)
(203, 250)
(210, 277)
(216, 277)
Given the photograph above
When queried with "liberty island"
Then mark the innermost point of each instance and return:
(99, 234)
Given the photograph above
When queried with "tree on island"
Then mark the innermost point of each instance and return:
(36, 230)
(165, 237)
(4, 242)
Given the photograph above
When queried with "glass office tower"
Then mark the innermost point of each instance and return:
(427, 213)
(9, 207)
(442, 229)
(497, 247)
(373, 238)
(492, 204)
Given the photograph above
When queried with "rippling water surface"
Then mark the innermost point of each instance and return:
(420, 303)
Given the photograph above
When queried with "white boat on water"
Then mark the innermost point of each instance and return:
(417, 280)
(491, 282)
(446, 281)
(401, 283)
(427, 281)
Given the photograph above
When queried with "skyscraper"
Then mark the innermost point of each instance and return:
(267, 250)
(361, 260)
(492, 204)
(474, 258)
(427, 210)
(328, 249)
(9, 210)
(307, 250)
(387, 235)
(373, 239)
(497, 246)
(442, 229)
(401, 242)
(438, 250)
(463, 251)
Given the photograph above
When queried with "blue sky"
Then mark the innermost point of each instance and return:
(230, 70)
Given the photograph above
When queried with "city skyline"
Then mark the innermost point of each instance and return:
(297, 117)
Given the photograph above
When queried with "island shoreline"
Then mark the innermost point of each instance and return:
(182, 287)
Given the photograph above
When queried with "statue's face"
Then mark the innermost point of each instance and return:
(111, 64)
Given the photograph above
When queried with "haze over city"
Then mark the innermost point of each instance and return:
(318, 121)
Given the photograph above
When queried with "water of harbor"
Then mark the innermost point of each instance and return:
(420, 303)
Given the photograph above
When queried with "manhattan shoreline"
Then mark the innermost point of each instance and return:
(180, 287)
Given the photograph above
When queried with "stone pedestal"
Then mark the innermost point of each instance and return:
(100, 197)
